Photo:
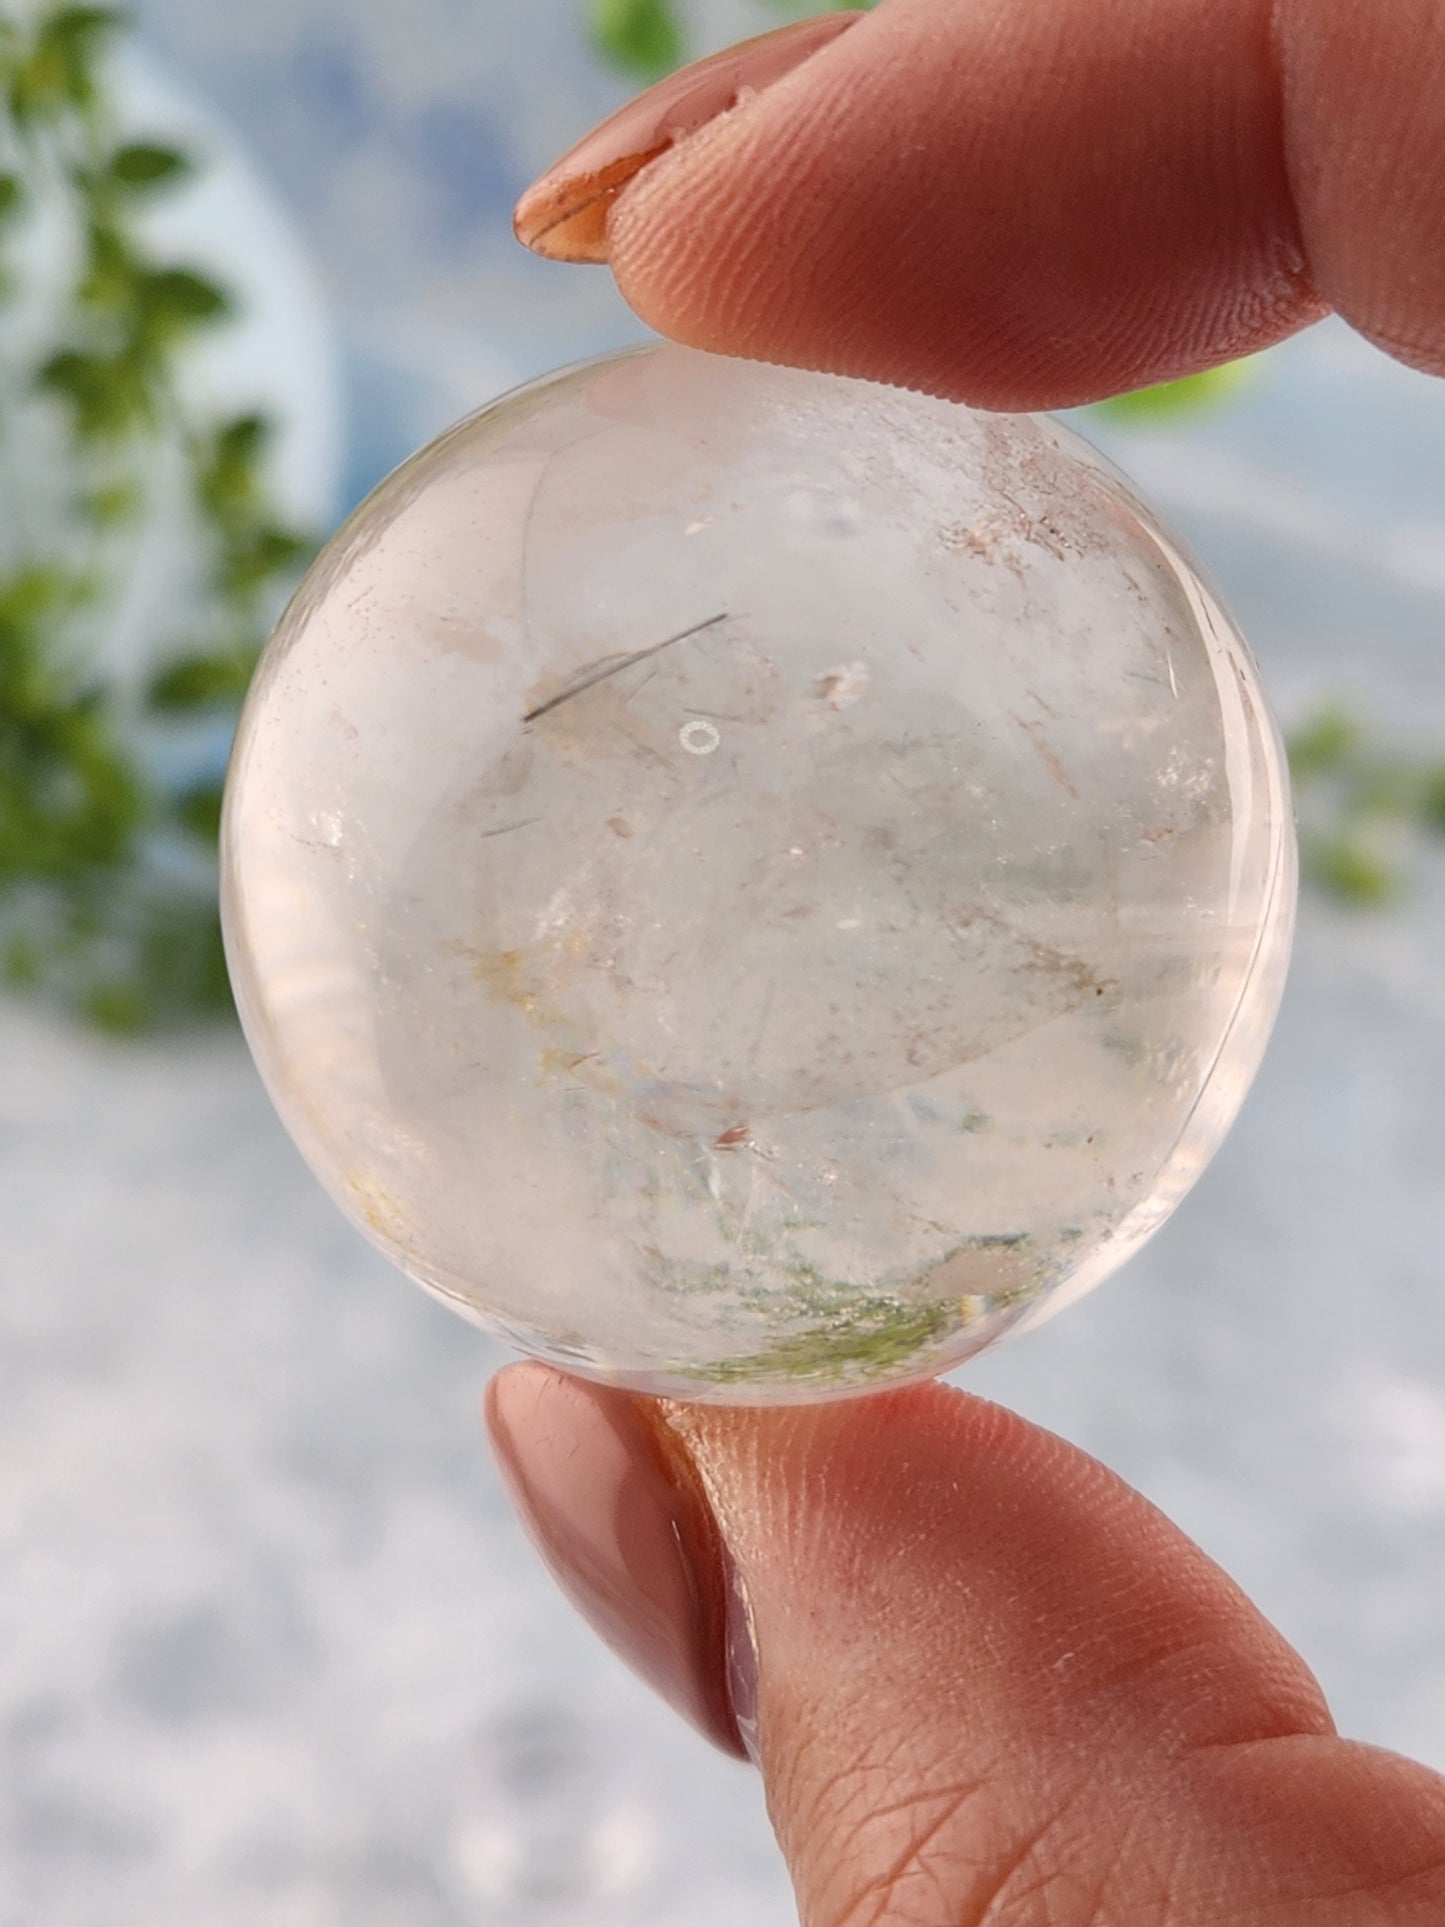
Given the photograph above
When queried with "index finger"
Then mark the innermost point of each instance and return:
(1031, 203)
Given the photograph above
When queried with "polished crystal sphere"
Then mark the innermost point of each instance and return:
(753, 884)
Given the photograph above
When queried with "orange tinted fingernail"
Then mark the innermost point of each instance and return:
(564, 214)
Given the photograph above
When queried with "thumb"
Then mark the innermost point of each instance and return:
(984, 1680)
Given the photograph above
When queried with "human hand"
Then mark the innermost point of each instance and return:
(984, 1680)
(1030, 203)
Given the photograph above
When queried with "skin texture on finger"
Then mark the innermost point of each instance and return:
(564, 215)
(1030, 203)
(1013, 202)
(1364, 94)
(995, 1685)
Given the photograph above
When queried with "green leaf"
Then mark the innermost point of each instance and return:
(118, 1007)
(178, 299)
(112, 271)
(75, 36)
(12, 196)
(144, 164)
(108, 395)
(198, 811)
(1349, 872)
(244, 439)
(71, 799)
(167, 962)
(201, 682)
(264, 554)
(1433, 810)
(33, 591)
(1168, 399)
(81, 26)
(129, 956)
(642, 37)
(59, 71)
(114, 504)
(36, 89)
(184, 961)
(227, 472)
(21, 963)
(1323, 746)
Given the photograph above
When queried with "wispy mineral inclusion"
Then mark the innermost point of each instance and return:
(752, 884)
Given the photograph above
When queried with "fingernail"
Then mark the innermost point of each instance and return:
(609, 1499)
(564, 214)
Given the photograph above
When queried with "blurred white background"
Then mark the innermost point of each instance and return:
(272, 1651)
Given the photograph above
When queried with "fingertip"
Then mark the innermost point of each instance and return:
(507, 1392)
(1018, 205)
(965, 1628)
(565, 214)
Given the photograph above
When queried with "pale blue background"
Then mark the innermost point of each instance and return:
(272, 1653)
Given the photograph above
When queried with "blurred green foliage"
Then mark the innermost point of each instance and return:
(1166, 400)
(642, 38)
(1361, 804)
(107, 884)
(646, 39)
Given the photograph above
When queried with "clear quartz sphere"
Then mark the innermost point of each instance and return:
(753, 884)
